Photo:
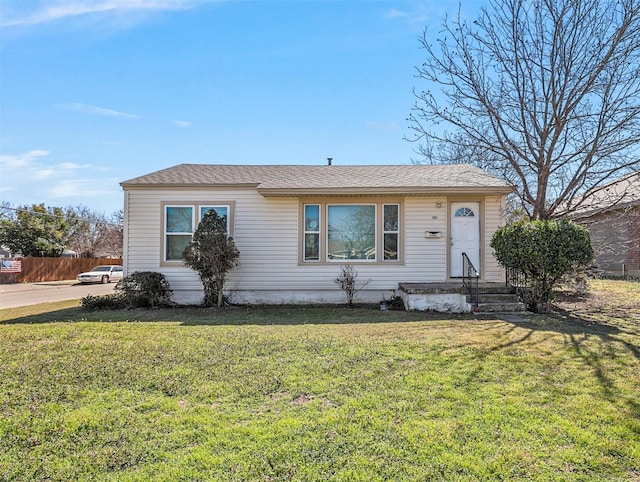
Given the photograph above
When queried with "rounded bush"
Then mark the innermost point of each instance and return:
(142, 289)
(544, 251)
(145, 289)
(113, 301)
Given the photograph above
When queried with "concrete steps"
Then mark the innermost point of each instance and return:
(498, 299)
(452, 297)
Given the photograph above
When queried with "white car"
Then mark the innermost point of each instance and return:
(101, 274)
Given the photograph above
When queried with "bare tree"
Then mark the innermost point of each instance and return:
(544, 93)
(110, 234)
(94, 234)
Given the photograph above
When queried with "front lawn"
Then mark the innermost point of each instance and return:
(322, 393)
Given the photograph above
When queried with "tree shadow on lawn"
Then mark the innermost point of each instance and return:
(237, 315)
(596, 344)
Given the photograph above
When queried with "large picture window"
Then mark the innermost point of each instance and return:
(347, 232)
(351, 232)
(181, 221)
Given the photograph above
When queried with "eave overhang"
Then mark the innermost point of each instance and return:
(335, 191)
(386, 191)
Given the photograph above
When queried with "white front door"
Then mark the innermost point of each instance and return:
(465, 235)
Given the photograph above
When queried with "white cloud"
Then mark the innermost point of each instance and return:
(82, 188)
(32, 177)
(393, 13)
(382, 126)
(44, 173)
(44, 11)
(92, 109)
(419, 13)
(21, 160)
(181, 123)
(71, 166)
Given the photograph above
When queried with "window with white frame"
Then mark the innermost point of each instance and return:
(312, 232)
(390, 231)
(181, 221)
(222, 211)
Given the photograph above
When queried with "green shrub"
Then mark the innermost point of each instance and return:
(544, 251)
(212, 253)
(142, 289)
(112, 301)
(145, 289)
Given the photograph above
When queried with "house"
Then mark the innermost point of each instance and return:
(295, 226)
(612, 215)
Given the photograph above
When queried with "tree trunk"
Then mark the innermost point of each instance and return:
(219, 289)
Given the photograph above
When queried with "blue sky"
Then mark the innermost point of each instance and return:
(93, 93)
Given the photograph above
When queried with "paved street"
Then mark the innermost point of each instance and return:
(23, 294)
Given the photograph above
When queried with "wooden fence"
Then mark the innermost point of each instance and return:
(53, 269)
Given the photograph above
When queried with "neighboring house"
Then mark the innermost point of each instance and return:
(612, 215)
(295, 226)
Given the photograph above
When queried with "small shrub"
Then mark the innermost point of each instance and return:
(395, 303)
(347, 282)
(112, 301)
(144, 289)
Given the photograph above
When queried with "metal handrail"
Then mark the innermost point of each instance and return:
(470, 277)
(517, 279)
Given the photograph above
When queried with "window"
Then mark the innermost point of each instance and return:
(312, 232)
(345, 232)
(390, 231)
(351, 232)
(464, 213)
(179, 229)
(222, 211)
(180, 222)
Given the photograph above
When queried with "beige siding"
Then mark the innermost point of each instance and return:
(266, 234)
(494, 207)
(425, 258)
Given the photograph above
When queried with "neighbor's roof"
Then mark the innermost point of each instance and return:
(291, 180)
(618, 194)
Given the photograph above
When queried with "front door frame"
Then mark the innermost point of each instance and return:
(450, 213)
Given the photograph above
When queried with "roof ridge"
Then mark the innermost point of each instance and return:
(311, 177)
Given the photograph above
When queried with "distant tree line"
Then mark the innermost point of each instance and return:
(40, 231)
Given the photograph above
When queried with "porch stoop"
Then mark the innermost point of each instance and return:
(452, 297)
(498, 298)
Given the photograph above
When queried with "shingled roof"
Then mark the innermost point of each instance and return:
(283, 180)
(618, 194)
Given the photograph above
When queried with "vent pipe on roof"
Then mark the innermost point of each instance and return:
(329, 159)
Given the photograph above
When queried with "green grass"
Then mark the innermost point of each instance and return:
(319, 393)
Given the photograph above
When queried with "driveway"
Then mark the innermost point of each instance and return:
(23, 294)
